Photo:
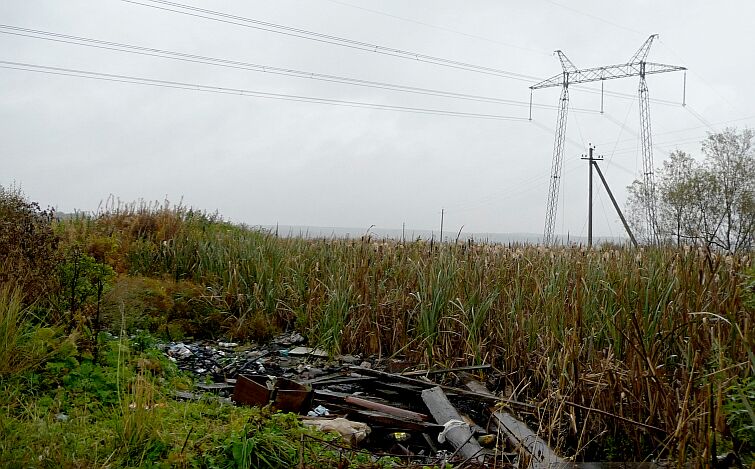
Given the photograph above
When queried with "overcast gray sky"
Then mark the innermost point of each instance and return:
(71, 142)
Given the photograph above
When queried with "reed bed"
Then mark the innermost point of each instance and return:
(629, 353)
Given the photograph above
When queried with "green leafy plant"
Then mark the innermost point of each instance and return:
(740, 415)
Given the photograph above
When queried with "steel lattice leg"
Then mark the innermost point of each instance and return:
(647, 162)
(558, 156)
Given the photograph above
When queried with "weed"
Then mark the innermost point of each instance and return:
(23, 345)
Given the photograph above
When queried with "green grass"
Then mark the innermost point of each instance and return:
(119, 413)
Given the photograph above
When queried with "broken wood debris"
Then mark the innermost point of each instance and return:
(407, 414)
(518, 433)
(315, 352)
(450, 390)
(446, 370)
(390, 404)
(387, 409)
(455, 430)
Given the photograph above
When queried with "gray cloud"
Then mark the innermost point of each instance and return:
(71, 142)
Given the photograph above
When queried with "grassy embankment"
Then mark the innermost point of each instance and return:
(663, 337)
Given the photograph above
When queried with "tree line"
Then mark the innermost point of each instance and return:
(708, 202)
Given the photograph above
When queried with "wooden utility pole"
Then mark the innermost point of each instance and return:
(590, 159)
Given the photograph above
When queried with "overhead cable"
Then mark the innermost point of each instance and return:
(193, 58)
(237, 20)
(242, 92)
(324, 38)
(442, 28)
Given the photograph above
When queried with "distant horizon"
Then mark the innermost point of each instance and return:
(410, 234)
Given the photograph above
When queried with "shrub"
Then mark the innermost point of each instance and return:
(28, 245)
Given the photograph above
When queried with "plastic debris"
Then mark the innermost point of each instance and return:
(451, 424)
(319, 411)
(351, 432)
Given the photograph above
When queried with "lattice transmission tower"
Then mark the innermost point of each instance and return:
(637, 66)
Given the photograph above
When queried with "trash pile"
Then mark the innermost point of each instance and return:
(407, 414)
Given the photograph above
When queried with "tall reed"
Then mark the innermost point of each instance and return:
(613, 329)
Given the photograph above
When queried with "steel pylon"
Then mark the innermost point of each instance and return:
(558, 158)
(637, 66)
(648, 179)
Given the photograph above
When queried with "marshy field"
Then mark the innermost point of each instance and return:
(626, 354)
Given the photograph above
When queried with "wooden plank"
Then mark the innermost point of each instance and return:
(389, 422)
(190, 396)
(445, 370)
(476, 386)
(315, 352)
(460, 436)
(393, 377)
(541, 455)
(327, 377)
(337, 381)
(388, 409)
(519, 435)
(330, 396)
(451, 391)
(214, 387)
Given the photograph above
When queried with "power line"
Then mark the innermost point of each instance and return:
(511, 192)
(590, 15)
(353, 44)
(699, 117)
(617, 94)
(239, 91)
(524, 186)
(172, 55)
(660, 146)
(621, 131)
(724, 98)
(325, 38)
(686, 129)
(441, 28)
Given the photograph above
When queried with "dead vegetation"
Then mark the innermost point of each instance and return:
(646, 335)
(624, 354)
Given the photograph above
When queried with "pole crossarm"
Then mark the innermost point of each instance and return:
(609, 72)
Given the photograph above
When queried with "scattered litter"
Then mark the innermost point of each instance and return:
(400, 436)
(282, 393)
(404, 413)
(293, 338)
(352, 432)
(319, 411)
(179, 350)
(450, 425)
(316, 352)
(486, 441)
